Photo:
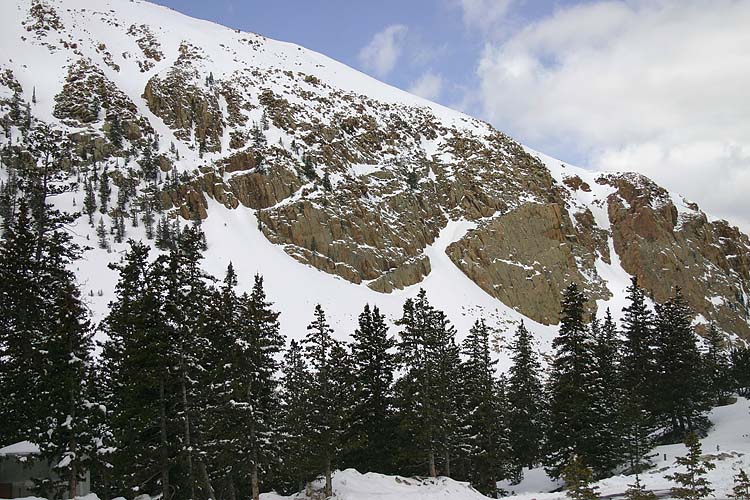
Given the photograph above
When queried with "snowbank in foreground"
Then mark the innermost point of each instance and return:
(351, 485)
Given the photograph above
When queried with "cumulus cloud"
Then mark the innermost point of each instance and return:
(382, 53)
(429, 86)
(656, 87)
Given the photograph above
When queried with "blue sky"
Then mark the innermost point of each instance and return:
(654, 86)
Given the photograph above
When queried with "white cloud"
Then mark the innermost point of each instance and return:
(429, 86)
(483, 14)
(657, 87)
(383, 51)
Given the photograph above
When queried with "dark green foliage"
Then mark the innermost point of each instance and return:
(105, 190)
(680, 397)
(638, 378)
(525, 399)
(325, 392)
(296, 468)
(89, 201)
(372, 425)
(692, 483)
(607, 394)
(114, 130)
(425, 399)
(740, 369)
(485, 441)
(571, 405)
(717, 366)
(578, 478)
(741, 488)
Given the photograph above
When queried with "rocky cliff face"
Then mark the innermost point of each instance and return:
(353, 177)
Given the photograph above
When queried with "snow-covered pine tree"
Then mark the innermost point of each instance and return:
(372, 426)
(578, 478)
(185, 293)
(526, 400)
(20, 329)
(716, 366)
(139, 382)
(485, 439)
(242, 372)
(296, 468)
(638, 368)
(325, 418)
(741, 488)
(571, 417)
(89, 201)
(105, 190)
(425, 406)
(693, 484)
(680, 397)
(607, 442)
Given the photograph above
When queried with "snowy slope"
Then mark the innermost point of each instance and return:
(98, 30)
(233, 235)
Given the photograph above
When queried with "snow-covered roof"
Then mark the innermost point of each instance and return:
(20, 448)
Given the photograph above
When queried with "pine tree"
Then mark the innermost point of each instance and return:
(571, 412)
(716, 366)
(244, 367)
(578, 478)
(741, 488)
(426, 392)
(485, 434)
(607, 441)
(325, 420)
(372, 427)
(295, 468)
(327, 182)
(680, 397)
(20, 329)
(89, 201)
(104, 191)
(308, 167)
(525, 398)
(692, 483)
(101, 233)
(114, 132)
(638, 377)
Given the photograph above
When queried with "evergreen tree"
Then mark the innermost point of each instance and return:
(139, 381)
(372, 427)
(46, 357)
(716, 366)
(741, 488)
(295, 468)
(105, 190)
(89, 201)
(680, 400)
(740, 369)
(101, 233)
(244, 366)
(571, 409)
(114, 132)
(325, 419)
(578, 478)
(607, 441)
(426, 392)
(486, 443)
(525, 398)
(693, 484)
(638, 377)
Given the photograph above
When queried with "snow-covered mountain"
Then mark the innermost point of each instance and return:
(340, 189)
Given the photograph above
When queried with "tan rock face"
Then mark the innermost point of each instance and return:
(525, 258)
(665, 248)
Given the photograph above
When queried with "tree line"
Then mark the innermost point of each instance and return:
(196, 394)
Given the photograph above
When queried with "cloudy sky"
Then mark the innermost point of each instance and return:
(657, 86)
